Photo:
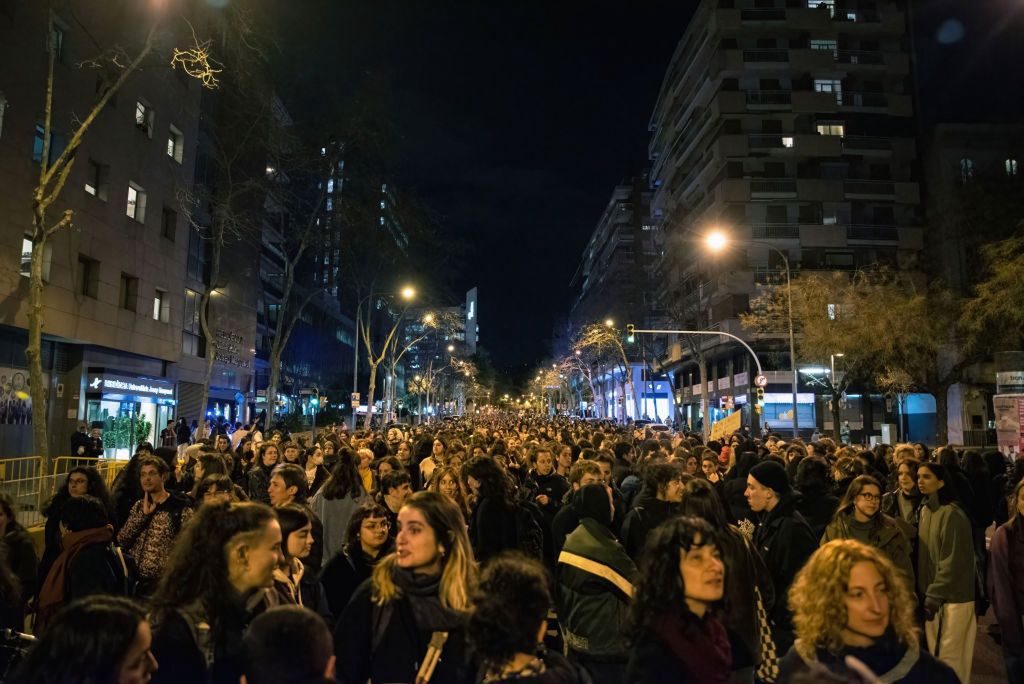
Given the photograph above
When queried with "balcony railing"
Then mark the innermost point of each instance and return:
(765, 140)
(873, 233)
(775, 231)
(857, 99)
(772, 186)
(766, 55)
(871, 57)
(869, 187)
(769, 97)
(864, 142)
(763, 14)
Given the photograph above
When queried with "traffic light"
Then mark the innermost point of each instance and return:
(630, 335)
(760, 396)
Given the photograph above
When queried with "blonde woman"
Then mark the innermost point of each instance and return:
(850, 600)
(412, 613)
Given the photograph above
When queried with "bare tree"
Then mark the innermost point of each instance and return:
(597, 337)
(116, 66)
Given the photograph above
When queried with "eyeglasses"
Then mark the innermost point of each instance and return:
(377, 526)
(870, 497)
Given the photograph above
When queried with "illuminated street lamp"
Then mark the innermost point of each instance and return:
(408, 293)
(609, 323)
(717, 241)
(451, 347)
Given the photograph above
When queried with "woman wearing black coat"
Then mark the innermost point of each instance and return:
(17, 552)
(79, 482)
(492, 527)
(366, 542)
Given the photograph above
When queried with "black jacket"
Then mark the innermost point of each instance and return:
(343, 573)
(885, 657)
(817, 506)
(492, 528)
(21, 558)
(648, 513)
(785, 542)
(400, 644)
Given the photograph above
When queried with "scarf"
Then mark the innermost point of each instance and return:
(702, 648)
(51, 596)
(422, 593)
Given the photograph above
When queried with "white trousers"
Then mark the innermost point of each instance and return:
(951, 636)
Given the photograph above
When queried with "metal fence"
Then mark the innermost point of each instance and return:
(30, 486)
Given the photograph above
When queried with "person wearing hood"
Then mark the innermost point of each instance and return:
(782, 537)
(732, 490)
(817, 503)
(663, 486)
(595, 586)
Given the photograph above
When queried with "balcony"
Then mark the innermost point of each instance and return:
(758, 56)
(864, 100)
(763, 14)
(860, 57)
(772, 187)
(864, 143)
(775, 231)
(869, 189)
(766, 140)
(872, 233)
(769, 99)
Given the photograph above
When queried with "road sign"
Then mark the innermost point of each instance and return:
(355, 398)
(761, 381)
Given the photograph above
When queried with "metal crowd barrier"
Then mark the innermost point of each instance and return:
(24, 480)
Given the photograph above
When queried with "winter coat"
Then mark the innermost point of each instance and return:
(785, 542)
(595, 585)
(945, 558)
(335, 515)
(652, 659)
(492, 528)
(259, 483)
(20, 556)
(885, 535)
(818, 506)
(343, 573)
(1006, 582)
(387, 643)
(890, 660)
(905, 509)
(647, 514)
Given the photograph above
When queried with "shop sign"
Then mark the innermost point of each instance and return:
(139, 387)
(228, 346)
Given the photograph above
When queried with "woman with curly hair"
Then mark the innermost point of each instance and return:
(447, 481)
(80, 481)
(849, 600)
(408, 621)
(217, 574)
(675, 634)
(509, 622)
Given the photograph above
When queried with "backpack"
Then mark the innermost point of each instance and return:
(529, 529)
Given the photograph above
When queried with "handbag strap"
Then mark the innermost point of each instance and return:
(432, 657)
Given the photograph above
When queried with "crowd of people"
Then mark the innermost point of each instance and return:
(506, 548)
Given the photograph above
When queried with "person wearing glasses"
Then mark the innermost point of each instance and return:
(367, 541)
(859, 517)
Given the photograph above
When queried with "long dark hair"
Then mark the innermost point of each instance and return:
(293, 517)
(700, 500)
(96, 487)
(947, 493)
(85, 643)
(494, 483)
(345, 479)
(660, 590)
(197, 568)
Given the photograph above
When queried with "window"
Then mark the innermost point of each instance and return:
(96, 179)
(830, 5)
(787, 141)
(831, 128)
(136, 207)
(129, 295)
(196, 266)
(56, 42)
(161, 306)
(26, 259)
(191, 335)
(825, 85)
(169, 224)
(57, 143)
(966, 169)
(144, 118)
(1011, 167)
(89, 276)
(175, 143)
(829, 45)
(330, 185)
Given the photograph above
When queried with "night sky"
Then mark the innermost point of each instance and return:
(514, 120)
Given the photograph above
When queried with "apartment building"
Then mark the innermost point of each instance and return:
(789, 126)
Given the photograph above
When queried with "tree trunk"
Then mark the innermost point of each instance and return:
(942, 414)
(369, 395)
(33, 350)
(837, 416)
(272, 382)
(204, 321)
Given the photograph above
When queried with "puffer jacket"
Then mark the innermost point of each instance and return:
(885, 535)
(595, 586)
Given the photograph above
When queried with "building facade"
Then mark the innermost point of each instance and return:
(788, 126)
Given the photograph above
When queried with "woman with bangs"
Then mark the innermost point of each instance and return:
(408, 621)
(849, 600)
(446, 481)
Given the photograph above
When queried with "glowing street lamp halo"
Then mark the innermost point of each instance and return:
(716, 240)
(408, 292)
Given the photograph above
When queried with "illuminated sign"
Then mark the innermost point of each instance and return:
(139, 387)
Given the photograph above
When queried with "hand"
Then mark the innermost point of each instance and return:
(148, 505)
(932, 607)
(542, 499)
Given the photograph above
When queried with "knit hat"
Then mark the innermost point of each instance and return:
(771, 475)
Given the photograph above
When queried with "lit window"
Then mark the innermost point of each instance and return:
(144, 118)
(823, 85)
(161, 306)
(96, 180)
(330, 185)
(175, 144)
(966, 169)
(270, 169)
(831, 128)
(330, 204)
(136, 207)
(26, 256)
(1011, 167)
(787, 141)
(829, 45)
(830, 5)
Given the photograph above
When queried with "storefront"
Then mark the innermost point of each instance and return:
(131, 410)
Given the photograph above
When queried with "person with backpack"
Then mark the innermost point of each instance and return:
(219, 572)
(595, 586)
(153, 523)
(408, 621)
(659, 501)
(496, 515)
(90, 563)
